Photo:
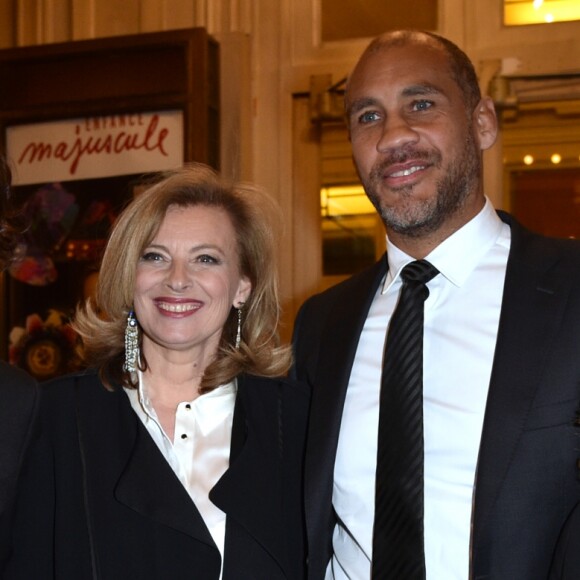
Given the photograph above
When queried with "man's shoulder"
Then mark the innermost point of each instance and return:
(539, 248)
(362, 283)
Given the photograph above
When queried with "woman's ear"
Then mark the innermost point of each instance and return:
(485, 123)
(244, 290)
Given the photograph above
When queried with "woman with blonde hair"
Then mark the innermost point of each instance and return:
(179, 453)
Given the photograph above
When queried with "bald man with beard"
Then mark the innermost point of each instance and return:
(501, 347)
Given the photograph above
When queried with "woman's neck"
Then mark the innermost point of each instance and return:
(170, 379)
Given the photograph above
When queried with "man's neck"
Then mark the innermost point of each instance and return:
(420, 246)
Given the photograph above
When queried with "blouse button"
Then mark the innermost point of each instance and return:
(184, 436)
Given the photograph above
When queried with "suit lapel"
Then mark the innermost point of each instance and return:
(341, 332)
(149, 486)
(532, 311)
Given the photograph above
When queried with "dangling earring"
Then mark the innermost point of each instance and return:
(239, 334)
(131, 344)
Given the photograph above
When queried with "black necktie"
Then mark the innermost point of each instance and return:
(398, 543)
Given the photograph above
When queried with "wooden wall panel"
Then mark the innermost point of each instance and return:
(7, 35)
(116, 18)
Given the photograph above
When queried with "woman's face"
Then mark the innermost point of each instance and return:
(187, 281)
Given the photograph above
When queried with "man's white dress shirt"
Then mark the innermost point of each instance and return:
(461, 322)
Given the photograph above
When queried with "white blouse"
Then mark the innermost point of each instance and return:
(200, 451)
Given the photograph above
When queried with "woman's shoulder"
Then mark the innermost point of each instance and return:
(85, 383)
(273, 387)
(19, 393)
(14, 377)
(83, 377)
(282, 398)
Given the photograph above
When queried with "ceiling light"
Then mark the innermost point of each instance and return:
(528, 159)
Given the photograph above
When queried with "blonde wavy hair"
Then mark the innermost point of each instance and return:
(101, 323)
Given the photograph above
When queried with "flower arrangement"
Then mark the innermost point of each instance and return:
(44, 348)
(51, 213)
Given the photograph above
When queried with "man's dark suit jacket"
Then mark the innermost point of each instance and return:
(526, 483)
(96, 478)
(18, 407)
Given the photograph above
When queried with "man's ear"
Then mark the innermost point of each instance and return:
(485, 123)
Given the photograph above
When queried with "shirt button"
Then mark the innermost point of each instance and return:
(184, 436)
(188, 406)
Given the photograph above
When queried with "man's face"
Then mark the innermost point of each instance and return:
(415, 145)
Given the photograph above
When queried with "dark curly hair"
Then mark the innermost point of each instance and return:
(10, 222)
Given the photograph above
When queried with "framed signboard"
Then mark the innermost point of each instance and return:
(82, 124)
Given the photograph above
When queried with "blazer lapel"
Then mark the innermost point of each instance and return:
(532, 311)
(249, 493)
(149, 486)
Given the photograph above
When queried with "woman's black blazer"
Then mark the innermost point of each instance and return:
(98, 500)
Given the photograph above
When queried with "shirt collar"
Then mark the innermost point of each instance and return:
(458, 255)
(210, 408)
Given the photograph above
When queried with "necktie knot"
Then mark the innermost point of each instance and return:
(419, 271)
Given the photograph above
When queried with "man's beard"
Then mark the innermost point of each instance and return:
(418, 217)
